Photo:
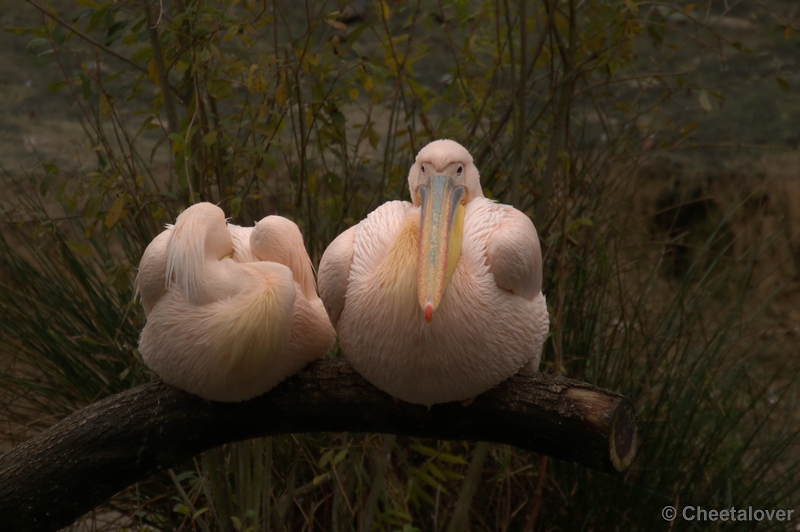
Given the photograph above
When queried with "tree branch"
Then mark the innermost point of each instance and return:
(51, 480)
(85, 37)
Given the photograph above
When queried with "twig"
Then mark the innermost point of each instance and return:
(187, 501)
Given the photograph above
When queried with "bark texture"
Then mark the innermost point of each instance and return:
(51, 480)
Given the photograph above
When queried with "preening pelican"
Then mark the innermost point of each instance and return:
(439, 299)
(231, 311)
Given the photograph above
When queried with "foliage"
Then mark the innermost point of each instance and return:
(316, 110)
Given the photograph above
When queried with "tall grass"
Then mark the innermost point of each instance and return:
(299, 109)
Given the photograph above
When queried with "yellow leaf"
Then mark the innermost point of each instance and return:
(280, 94)
(90, 229)
(384, 10)
(114, 212)
(353, 93)
(705, 103)
(312, 184)
(335, 24)
(368, 84)
(309, 117)
(787, 34)
(255, 82)
(151, 72)
(105, 106)
(632, 6)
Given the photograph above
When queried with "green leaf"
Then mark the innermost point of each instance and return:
(210, 138)
(57, 86)
(142, 54)
(50, 168)
(451, 459)
(432, 482)
(270, 161)
(436, 472)
(181, 509)
(235, 207)
(45, 184)
(339, 457)
(220, 88)
(783, 84)
(81, 249)
(356, 33)
(115, 31)
(86, 84)
(326, 458)
(423, 450)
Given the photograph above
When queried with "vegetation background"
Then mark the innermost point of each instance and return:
(653, 143)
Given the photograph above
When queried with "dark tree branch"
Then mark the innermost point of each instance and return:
(51, 480)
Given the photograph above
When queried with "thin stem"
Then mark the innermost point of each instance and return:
(468, 488)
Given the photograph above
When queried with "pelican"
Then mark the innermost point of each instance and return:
(439, 299)
(231, 311)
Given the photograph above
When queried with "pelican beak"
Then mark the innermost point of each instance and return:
(442, 206)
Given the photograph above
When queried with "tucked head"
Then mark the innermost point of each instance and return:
(200, 235)
(441, 181)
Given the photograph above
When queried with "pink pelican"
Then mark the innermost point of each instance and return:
(231, 311)
(439, 299)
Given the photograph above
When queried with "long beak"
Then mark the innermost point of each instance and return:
(440, 239)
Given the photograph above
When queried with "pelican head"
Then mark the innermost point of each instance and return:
(442, 180)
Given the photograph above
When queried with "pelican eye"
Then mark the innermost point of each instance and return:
(460, 169)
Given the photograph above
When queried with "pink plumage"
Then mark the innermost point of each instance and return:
(229, 310)
(492, 318)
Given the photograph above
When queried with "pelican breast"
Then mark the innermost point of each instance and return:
(480, 335)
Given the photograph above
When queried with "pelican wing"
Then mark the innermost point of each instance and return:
(514, 255)
(151, 280)
(333, 272)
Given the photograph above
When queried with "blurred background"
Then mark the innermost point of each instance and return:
(654, 144)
